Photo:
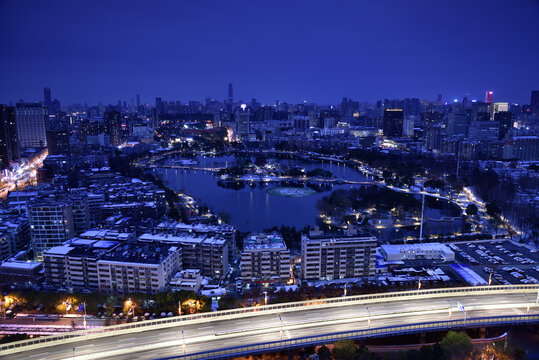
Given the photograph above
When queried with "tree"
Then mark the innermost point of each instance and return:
(471, 210)
(493, 210)
(456, 345)
(228, 301)
(344, 350)
(324, 353)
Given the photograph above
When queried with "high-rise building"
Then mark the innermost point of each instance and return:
(230, 94)
(9, 144)
(433, 118)
(113, 127)
(138, 100)
(349, 254)
(458, 121)
(31, 119)
(51, 223)
(534, 101)
(47, 99)
(488, 96)
(505, 119)
(393, 122)
(433, 137)
(242, 116)
(58, 141)
(265, 259)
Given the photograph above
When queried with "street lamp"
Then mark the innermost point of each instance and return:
(419, 284)
(490, 279)
(265, 297)
(528, 306)
(183, 339)
(344, 289)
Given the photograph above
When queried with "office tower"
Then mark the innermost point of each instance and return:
(31, 119)
(265, 259)
(160, 106)
(47, 99)
(393, 122)
(51, 223)
(534, 101)
(243, 121)
(113, 127)
(230, 94)
(138, 100)
(342, 255)
(505, 119)
(495, 108)
(459, 120)
(58, 141)
(9, 144)
(481, 111)
(488, 96)
(433, 118)
(433, 137)
(408, 126)
(484, 130)
(155, 118)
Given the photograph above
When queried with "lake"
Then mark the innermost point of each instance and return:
(254, 209)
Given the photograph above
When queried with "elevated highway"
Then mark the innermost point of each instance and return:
(252, 330)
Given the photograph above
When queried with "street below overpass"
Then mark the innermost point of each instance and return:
(262, 327)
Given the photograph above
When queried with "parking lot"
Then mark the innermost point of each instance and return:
(503, 261)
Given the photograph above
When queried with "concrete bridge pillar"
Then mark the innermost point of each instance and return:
(482, 332)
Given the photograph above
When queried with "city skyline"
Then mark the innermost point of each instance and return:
(292, 53)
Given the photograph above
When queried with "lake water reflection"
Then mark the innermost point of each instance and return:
(252, 208)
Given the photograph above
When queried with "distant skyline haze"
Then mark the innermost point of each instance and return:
(292, 51)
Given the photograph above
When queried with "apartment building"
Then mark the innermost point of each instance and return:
(338, 255)
(265, 259)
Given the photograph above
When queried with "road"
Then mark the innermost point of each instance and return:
(205, 336)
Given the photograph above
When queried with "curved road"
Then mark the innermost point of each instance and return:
(206, 336)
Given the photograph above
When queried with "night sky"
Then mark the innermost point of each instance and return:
(90, 51)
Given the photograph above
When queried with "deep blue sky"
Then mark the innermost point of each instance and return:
(288, 50)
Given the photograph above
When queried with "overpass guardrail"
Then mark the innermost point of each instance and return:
(279, 345)
(261, 310)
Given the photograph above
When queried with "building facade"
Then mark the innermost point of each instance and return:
(31, 119)
(265, 259)
(349, 254)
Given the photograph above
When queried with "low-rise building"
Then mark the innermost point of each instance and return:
(431, 251)
(186, 280)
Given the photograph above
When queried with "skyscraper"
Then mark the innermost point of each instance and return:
(534, 101)
(488, 96)
(47, 99)
(9, 144)
(393, 122)
(138, 100)
(31, 119)
(242, 117)
(113, 127)
(230, 94)
(505, 119)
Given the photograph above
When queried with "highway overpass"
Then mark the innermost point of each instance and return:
(251, 330)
